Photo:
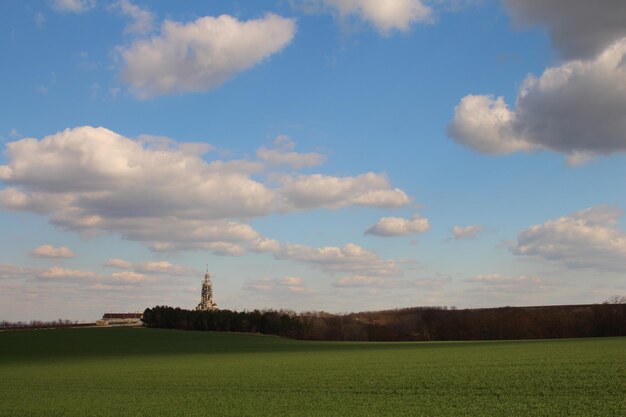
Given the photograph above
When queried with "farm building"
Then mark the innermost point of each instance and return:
(120, 319)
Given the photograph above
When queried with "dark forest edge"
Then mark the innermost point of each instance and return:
(409, 324)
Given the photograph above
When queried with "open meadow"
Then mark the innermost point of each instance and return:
(151, 372)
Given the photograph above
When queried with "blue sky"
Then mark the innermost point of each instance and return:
(335, 155)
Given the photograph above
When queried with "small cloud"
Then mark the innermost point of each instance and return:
(291, 285)
(15, 134)
(118, 263)
(283, 154)
(40, 20)
(129, 276)
(142, 19)
(466, 232)
(398, 226)
(502, 283)
(73, 6)
(64, 273)
(151, 267)
(386, 16)
(52, 252)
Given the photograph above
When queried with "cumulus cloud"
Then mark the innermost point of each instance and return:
(485, 123)
(385, 15)
(317, 190)
(577, 108)
(201, 55)
(589, 238)
(142, 19)
(94, 180)
(466, 232)
(578, 28)
(350, 258)
(290, 285)
(283, 154)
(73, 6)
(49, 251)
(398, 226)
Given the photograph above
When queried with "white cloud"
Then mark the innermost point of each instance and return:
(8, 271)
(93, 180)
(350, 258)
(56, 272)
(577, 108)
(73, 6)
(118, 263)
(290, 285)
(129, 276)
(502, 283)
(201, 55)
(398, 226)
(485, 124)
(466, 232)
(586, 239)
(366, 281)
(151, 267)
(386, 15)
(283, 154)
(143, 19)
(360, 281)
(316, 190)
(261, 245)
(578, 28)
(49, 251)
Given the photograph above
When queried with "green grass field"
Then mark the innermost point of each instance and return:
(148, 372)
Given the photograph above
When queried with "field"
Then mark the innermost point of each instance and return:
(149, 372)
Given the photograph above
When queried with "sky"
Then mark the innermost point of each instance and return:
(336, 155)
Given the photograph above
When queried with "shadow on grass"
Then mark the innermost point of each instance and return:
(76, 344)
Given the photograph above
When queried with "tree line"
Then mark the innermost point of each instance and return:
(409, 324)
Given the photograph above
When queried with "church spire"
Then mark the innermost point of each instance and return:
(206, 299)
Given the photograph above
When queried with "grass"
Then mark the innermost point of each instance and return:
(149, 372)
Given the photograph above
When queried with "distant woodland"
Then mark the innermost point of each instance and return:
(410, 324)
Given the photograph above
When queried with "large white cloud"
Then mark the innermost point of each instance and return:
(577, 108)
(398, 226)
(201, 55)
(586, 239)
(386, 15)
(164, 194)
(578, 28)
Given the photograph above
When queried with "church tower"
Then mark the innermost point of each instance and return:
(206, 300)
